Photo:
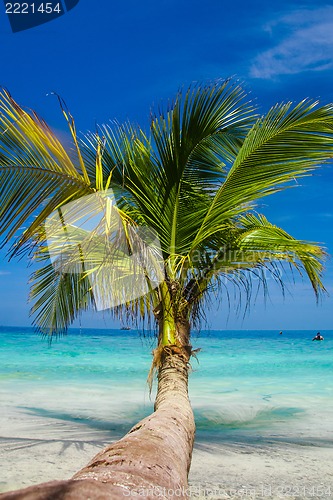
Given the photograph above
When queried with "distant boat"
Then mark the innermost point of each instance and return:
(125, 328)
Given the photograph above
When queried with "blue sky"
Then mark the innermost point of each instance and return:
(116, 59)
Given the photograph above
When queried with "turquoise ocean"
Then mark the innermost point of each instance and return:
(246, 386)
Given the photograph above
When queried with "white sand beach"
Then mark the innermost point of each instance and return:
(35, 449)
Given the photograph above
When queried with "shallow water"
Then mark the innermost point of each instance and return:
(247, 385)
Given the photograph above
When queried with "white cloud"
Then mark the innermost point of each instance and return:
(305, 43)
(4, 273)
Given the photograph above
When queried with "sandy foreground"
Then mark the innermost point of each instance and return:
(34, 449)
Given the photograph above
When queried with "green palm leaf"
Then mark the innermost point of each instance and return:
(285, 144)
(58, 298)
(36, 173)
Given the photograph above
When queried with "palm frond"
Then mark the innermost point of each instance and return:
(254, 245)
(36, 173)
(115, 262)
(58, 298)
(275, 244)
(195, 140)
(162, 178)
(287, 143)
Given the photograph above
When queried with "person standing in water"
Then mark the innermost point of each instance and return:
(318, 337)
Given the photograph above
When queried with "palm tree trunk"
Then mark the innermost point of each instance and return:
(156, 453)
(153, 459)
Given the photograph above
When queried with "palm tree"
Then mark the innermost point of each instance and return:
(194, 181)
